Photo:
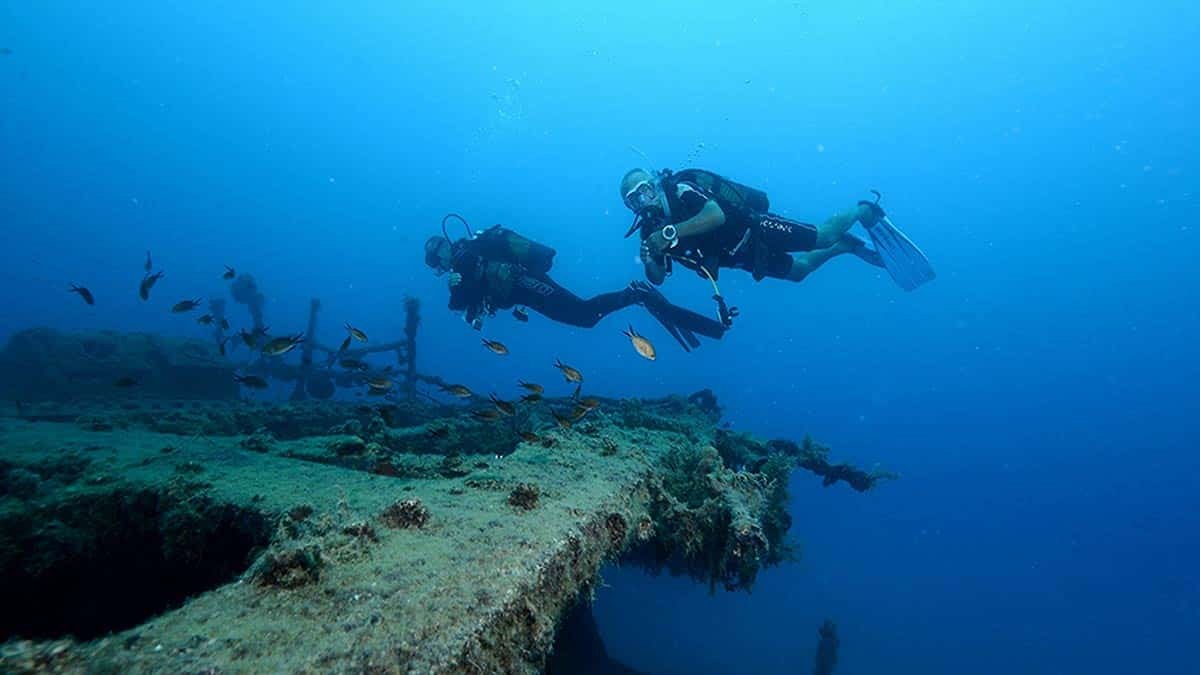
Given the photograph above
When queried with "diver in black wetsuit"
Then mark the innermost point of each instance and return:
(500, 269)
(706, 222)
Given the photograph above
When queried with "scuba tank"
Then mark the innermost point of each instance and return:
(500, 244)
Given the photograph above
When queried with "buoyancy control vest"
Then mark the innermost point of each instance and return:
(743, 207)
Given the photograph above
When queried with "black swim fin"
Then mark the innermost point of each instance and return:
(683, 324)
(695, 322)
(684, 337)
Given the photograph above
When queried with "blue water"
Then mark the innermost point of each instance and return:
(1038, 398)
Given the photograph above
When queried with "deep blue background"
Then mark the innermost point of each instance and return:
(1039, 398)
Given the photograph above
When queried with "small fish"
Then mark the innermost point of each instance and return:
(438, 432)
(568, 372)
(495, 347)
(345, 344)
(529, 386)
(221, 345)
(578, 412)
(224, 323)
(590, 403)
(205, 320)
(126, 382)
(229, 273)
(5, 51)
(563, 422)
(356, 333)
(247, 337)
(149, 263)
(531, 398)
(529, 437)
(457, 390)
(185, 306)
(376, 392)
(520, 314)
(352, 364)
(83, 293)
(148, 282)
(379, 383)
(502, 405)
(252, 381)
(640, 344)
(282, 345)
(487, 414)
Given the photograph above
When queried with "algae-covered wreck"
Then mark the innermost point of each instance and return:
(220, 535)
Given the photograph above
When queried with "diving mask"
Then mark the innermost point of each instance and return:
(642, 196)
(437, 255)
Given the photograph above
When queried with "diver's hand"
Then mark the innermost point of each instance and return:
(453, 279)
(657, 243)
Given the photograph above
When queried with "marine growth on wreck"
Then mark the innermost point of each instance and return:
(154, 519)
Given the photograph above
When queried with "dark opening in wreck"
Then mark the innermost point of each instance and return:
(107, 562)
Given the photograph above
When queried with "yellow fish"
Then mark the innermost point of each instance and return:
(589, 403)
(641, 344)
(185, 306)
(502, 405)
(568, 372)
(148, 282)
(529, 386)
(356, 333)
(495, 347)
(562, 421)
(457, 390)
(379, 383)
(282, 345)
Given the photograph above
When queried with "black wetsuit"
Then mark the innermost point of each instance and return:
(756, 242)
(493, 279)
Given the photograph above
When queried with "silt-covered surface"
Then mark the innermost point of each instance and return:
(323, 539)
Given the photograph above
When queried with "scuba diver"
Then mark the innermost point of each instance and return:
(705, 222)
(500, 269)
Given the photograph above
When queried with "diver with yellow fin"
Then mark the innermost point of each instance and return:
(705, 221)
(500, 269)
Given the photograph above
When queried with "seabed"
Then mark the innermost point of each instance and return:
(143, 535)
